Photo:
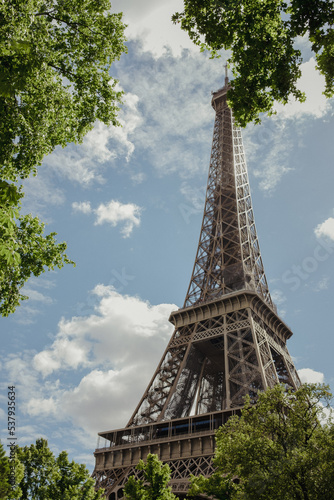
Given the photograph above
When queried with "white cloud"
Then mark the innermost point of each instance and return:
(112, 392)
(106, 335)
(128, 215)
(118, 347)
(150, 21)
(104, 361)
(85, 163)
(272, 173)
(26, 315)
(313, 84)
(309, 376)
(65, 353)
(116, 213)
(42, 282)
(82, 206)
(18, 370)
(325, 229)
(42, 407)
(174, 96)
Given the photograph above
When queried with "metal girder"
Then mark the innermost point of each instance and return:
(228, 256)
(228, 341)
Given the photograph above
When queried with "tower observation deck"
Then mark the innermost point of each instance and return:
(228, 339)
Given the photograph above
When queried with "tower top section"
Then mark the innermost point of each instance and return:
(228, 256)
(219, 98)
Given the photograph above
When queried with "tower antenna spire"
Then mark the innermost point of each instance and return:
(226, 74)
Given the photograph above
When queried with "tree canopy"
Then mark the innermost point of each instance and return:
(24, 250)
(11, 473)
(40, 475)
(282, 448)
(154, 485)
(261, 36)
(55, 60)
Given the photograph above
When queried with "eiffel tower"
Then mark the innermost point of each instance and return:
(228, 339)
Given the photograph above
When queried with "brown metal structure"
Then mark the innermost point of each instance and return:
(228, 340)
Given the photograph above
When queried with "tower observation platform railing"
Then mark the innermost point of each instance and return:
(193, 426)
(220, 295)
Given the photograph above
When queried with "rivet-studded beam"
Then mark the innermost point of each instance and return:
(228, 256)
(228, 340)
(219, 352)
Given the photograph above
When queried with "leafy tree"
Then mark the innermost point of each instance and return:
(220, 486)
(47, 477)
(24, 250)
(261, 35)
(154, 485)
(11, 472)
(55, 62)
(55, 58)
(281, 448)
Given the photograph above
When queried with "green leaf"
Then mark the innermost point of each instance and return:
(261, 36)
(55, 82)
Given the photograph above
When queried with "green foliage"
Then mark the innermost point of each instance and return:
(47, 477)
(55, 58)
(24, 250)
(260, 35)
(11, 473)
(279, 449)
(154, 485)
(217, 486)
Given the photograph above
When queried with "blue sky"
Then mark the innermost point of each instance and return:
(129, 203)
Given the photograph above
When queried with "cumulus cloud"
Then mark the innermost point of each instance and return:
(18, 369)
(309, 376)
(106, 335)
(85, 163)
(112, 392)
(325, 229)
(65, 354)
(102, 361)
(128, 215)
(115, 213)
(42, 407)
(118, 347)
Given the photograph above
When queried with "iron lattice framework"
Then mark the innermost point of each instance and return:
(228, 256)
(228, 340)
